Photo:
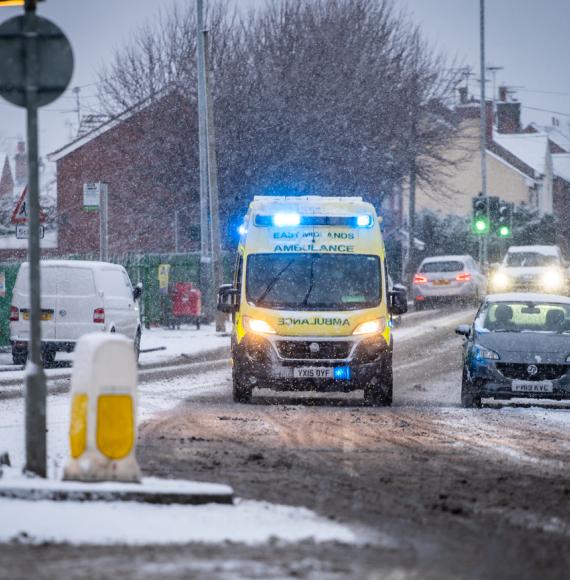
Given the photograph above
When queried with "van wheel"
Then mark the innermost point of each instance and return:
(241, 391)
(19, 357)
(48, 358)
(138, 345)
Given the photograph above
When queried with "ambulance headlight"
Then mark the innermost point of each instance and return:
(286, 219)
(242, 230)
(371, 327)
(552, 280)
(364, 221)
(258, 326)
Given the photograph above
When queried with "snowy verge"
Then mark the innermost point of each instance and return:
(102, 523)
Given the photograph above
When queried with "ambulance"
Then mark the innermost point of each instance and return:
(310, 302)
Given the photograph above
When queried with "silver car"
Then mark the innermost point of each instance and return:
(448, 278)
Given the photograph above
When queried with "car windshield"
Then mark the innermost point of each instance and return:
(313, 281)
(529, 260)
(525, 317)
(447, 266)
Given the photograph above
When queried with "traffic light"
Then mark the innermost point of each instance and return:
(505, 219)
(480, 223)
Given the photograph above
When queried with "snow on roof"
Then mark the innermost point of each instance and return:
(445, 258)
(527, 297)
(561, 165)
(555, 134)
(530, 148)
(545, 250)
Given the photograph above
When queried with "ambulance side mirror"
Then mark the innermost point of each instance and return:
(398, 300)
(228, 299)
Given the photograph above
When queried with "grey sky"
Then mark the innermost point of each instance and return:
(528, 38)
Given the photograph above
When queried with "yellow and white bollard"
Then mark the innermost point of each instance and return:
(103, 430)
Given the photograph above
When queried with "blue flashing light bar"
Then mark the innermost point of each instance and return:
(341, 373)
(286, 219)
(294, 219)
(242, 230)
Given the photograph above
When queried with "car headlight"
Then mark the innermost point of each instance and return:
(500, 281)
(482, 353)
(258, 326)
(375, 326)
(552, 279)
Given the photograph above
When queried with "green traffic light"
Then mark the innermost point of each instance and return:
(504, 232)
(481, 226)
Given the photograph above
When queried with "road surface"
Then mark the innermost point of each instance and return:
(438, 491)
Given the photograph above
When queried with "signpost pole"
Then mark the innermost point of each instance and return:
(36, 449)
(103, 222)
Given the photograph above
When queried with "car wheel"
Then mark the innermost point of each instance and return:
(380, 394)
(470, 396)
(19, 357)
(241, 391)
(138, 345)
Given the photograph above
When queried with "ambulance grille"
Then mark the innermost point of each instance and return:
(294, 349)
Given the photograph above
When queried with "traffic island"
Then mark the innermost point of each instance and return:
(149, 490)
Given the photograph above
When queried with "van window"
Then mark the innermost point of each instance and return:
(48, 280)
(75, 282)
(113, 283)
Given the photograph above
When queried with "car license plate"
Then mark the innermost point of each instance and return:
(441, 282)
(532, 387)
(45, 316)
(313, 372)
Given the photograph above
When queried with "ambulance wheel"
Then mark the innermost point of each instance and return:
(242, 392)
(380, 394)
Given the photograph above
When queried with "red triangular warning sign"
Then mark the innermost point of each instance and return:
(20, 214)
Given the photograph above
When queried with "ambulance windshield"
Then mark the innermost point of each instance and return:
(313, 281)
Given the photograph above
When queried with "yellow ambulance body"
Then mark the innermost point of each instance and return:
(310, 301)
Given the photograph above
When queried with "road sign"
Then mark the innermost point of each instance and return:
(23, 232)
(20, 213)
(54, 66)
(163, 277)
(91, 195)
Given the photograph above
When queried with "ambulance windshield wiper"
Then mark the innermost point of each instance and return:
(306, 298)
(274, 281)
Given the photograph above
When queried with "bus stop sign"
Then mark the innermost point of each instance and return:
(54, 61)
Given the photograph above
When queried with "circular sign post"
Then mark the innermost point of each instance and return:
(37, 64)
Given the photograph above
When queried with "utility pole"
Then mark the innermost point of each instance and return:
(36, 448)
(176, 232)
(75, 91)
(483, 130)
(217, 265)
(205, 259)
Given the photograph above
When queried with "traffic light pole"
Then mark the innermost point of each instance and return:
(36, 448)
(483, 127)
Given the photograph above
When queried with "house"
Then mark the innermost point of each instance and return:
(524, 165)
(151, 176)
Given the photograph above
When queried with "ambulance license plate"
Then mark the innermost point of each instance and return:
(313, 372)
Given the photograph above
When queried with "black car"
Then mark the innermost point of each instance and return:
(518, 346)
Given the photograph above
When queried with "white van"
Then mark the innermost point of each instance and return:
(77, 298)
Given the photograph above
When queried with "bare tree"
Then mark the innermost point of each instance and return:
(335, 97)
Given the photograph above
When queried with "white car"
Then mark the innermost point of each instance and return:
(76, 298)
(448, 278)
(531, 269)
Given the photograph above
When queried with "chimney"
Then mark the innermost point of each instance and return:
(508, 117)
(21, 165)
(503, 93)
(462, 95)
(6, 181)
